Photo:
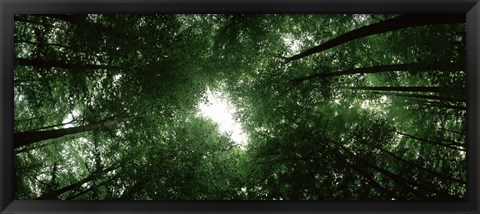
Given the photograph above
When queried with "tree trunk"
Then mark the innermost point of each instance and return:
(396, 178)
(81, 21)
(443, 105)
(93, 188)
(67, 18)
(451, 142)
(443, 92)
(29, 167)
(451, 146)
(28, 138)
(452, 131)
(40, 63)
(412, 185)
(50, 127)
(421, 96)
(381, 69)
(21, 19)
(396, 23)
(38, 44)
(352, 166)
(55, 194)
(400, 88)
(437, 174)
(24, 82)
(37, 146)
(372, 182)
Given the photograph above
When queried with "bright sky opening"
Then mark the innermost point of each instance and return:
(70, 117)
(221, 111)
(292, 44)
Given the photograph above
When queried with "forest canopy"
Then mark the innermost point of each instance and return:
(240, 107)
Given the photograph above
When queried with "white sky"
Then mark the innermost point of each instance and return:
(292, 44)
(221, 111)
(218, 109)
(70, 117)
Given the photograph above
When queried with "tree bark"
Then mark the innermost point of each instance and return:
(396, 23)
(372, 182)
(451, 142)
(381, 69)
(21, 19)
(93, 188)
(38, 44)
(81, 21)
(451, 146)
(412, 185)
(67, 18)
(437, 174)
(396, 178)
(40, 63)
(50, 127)
(28, 138)
(400, 88)
(55, 194)
(29, 167)
(453, 131)
(443, 105)
(421, 96)
(37, 146)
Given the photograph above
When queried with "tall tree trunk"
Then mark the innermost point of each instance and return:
(372, 182)
(381, 69)
(68, 18)
(451, 146)
(28, 138)
(451, 142)
(453, 131)
(81, 21)
(52, 126)
(410, 163)
(24, 82)
(412, 185)
(443, 105)
(55, 194)
(20, 18)
(400, 88)
(28, 148)
(40, 63)
(421, 96)
(396, 23)
(366, 164)
(30, 167)
(444, 92)
(98, 163)
(93, 188)
(39, 44)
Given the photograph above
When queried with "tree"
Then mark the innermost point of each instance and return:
(106, 111)
(381, 27)
(29, 137)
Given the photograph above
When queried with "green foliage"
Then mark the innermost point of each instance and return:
(112, 101)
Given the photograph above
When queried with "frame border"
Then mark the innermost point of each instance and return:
(10, 7)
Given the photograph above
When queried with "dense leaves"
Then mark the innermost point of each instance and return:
(336, 107)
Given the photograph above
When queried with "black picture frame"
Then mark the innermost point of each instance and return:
(471, 8)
